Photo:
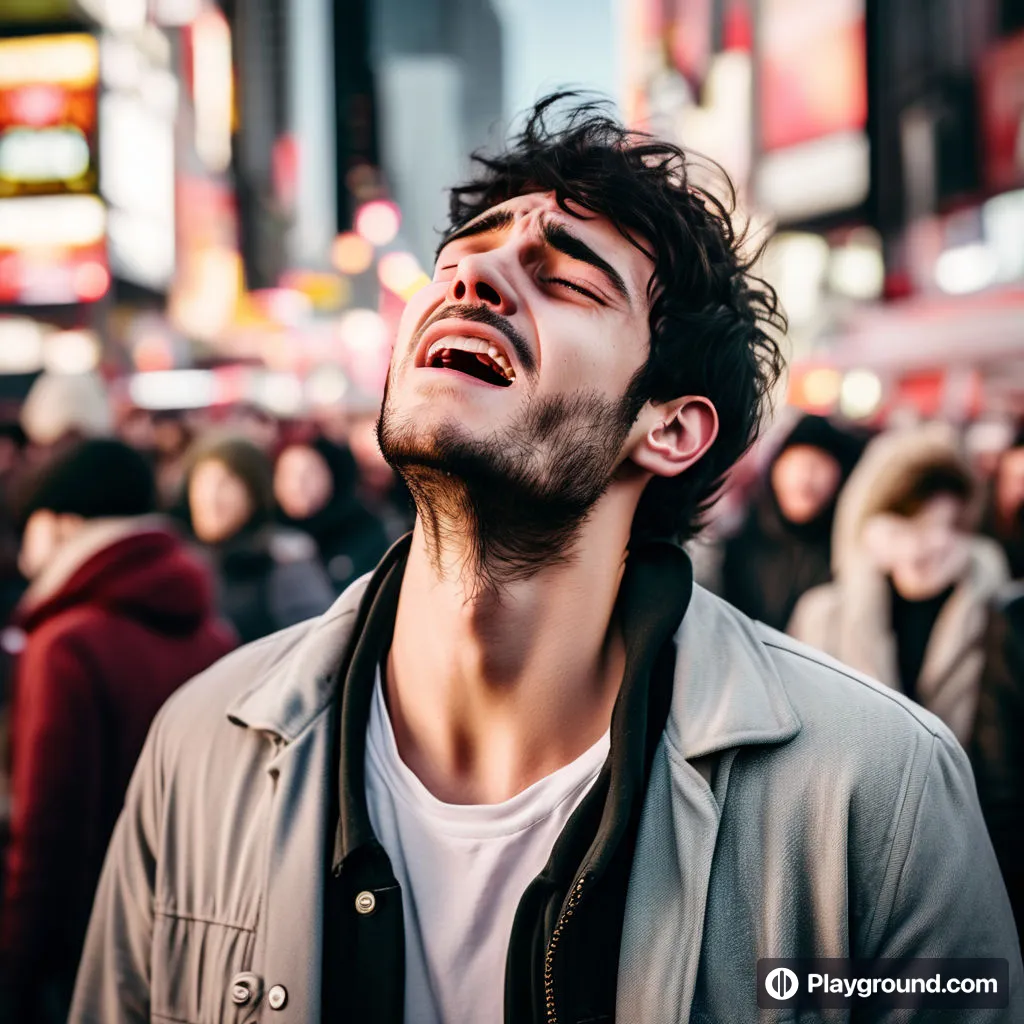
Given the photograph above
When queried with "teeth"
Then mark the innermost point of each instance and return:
(475, 345)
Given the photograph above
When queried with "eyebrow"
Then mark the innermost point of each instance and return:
(560, 238)
(496, 220)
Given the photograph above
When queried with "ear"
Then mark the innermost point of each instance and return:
(676, 435)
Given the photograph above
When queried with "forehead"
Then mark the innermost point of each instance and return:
(625, 253)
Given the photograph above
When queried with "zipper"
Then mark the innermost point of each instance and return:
(549, 957)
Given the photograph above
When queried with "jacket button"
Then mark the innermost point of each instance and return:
(245, 988)
(277, 997)
(366, 902)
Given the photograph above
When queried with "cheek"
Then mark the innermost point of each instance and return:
(591, 351)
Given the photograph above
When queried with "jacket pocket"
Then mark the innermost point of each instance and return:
(195, 964)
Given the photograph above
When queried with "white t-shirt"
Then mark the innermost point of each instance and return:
(463, 870)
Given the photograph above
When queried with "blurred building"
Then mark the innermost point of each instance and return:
(883, 145)
(221, 201)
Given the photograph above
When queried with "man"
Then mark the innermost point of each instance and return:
(116, 617)
(784, 546)
(527, 772)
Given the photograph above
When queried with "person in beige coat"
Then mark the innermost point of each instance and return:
(912, 583)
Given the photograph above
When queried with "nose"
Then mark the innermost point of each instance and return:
(479, 281)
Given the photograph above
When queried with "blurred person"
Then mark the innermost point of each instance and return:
(1004, 520)
(117, 616)
(268, 577)
(13, 443)
(172, 442)
(997, 750)
(315, 486)
(913, 584)
(784, 546)
(255, 423)
(61, 409)
(528, 772)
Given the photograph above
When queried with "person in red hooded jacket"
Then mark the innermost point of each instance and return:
(116, 617)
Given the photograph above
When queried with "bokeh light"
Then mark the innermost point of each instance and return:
(401, 273)
(860, 394)
(72, 352)
(351, 253)
(378, 221)
(91, 281)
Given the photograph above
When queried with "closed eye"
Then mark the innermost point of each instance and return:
(575, 287)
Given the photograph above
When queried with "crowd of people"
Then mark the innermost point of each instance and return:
(131, 561)
(901, 557)
(135, 551)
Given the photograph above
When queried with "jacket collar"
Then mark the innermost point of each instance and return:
(726, 691)
(302, 681)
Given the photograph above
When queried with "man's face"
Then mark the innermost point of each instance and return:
(924, 553)
(512, 366)
(805, 479)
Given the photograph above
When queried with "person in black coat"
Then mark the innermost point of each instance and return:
(997, 750)
(315, 487)
(784, 546)
(269, 576)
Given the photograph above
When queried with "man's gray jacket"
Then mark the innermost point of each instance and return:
(839, 820)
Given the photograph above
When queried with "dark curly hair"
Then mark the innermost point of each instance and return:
(710, 318)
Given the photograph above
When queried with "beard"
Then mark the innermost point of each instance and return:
(519, 497)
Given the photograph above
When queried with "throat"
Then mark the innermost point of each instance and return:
(490, 696)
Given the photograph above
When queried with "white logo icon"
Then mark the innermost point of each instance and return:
(782, 983)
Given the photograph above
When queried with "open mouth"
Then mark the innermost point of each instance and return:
(475, 357)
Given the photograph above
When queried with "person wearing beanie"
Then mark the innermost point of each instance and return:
(315, 487)
(117, 615)
(913, 584)
(268, 576)
(783, 546)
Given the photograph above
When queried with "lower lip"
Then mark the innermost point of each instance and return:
(468, 378)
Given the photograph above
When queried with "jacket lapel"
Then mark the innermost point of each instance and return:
(727, 694)
(291, 705)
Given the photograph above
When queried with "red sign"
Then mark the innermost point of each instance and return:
(1002, 109)
(813, 74)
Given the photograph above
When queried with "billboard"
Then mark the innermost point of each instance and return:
(48, 115)
(1002, 105)
(812, 107)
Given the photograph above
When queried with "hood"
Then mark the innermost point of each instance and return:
(137, 568)
(814, 432)
(888, 461)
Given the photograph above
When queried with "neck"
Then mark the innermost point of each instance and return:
(492, 686)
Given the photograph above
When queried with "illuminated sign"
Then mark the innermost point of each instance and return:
(812, 107)
(53, 250)
(48, 93)
(137, 162)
